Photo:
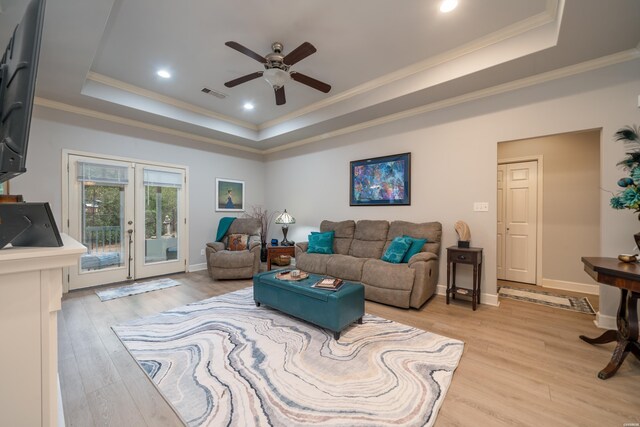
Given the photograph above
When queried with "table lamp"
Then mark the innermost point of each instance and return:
(285, 219)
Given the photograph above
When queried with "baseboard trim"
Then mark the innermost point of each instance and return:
(197, 267)
(605, 322)
(571, 286)
(486, 299)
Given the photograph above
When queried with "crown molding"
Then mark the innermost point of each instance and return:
(547, 16)
(594, 64)
(55, 105)
(118, 84)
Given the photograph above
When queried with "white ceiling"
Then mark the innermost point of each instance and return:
(380, 57)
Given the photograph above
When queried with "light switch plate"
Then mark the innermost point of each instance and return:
(202, 252)
(481, 206)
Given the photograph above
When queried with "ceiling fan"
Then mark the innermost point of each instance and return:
(276, 67)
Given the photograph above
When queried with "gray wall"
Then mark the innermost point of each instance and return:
(454, 157)
(52, 131)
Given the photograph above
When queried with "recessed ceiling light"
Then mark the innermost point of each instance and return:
(448, 5)
(164, 74)
(248, 106)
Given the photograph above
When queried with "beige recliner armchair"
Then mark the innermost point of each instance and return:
(226, 264)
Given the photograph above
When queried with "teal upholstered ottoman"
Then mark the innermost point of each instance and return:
(333, 310)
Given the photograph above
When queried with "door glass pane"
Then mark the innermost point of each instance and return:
(102, 225)
(161, 213)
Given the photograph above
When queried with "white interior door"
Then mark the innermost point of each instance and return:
(521, 222)
(101, 196)
(501, 210)
(161, 219)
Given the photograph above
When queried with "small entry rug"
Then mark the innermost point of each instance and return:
(579, 304)
(135, 289)
(225, 362)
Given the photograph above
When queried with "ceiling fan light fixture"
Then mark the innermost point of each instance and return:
(276, 77)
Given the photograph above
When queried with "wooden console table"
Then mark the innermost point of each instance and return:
(626, 276)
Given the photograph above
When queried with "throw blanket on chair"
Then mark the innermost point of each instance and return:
(223, 227)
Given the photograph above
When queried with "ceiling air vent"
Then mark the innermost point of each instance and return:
(214, 92)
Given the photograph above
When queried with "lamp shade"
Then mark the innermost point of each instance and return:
(285, 218)
(275, 77)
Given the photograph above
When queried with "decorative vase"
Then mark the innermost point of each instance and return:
(263, 252)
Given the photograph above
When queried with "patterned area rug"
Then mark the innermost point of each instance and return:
(136, 288)
(223, 361)
(579, 304)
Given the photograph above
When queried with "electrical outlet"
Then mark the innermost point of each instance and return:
(481, 207)
(202, 252)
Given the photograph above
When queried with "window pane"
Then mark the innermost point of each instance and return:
(161, 227)
(102, 226)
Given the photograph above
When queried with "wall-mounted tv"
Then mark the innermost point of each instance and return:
(18, 69)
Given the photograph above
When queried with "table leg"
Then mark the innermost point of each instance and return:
(619, 354)
(453, 280)
(336, 335)
(448, 280)
(268, 261)
(626, 335)
(475, 287)
(608, 336)
(479, 278)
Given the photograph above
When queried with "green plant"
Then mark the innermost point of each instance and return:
(629, 197)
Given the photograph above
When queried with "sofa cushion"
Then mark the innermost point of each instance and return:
(312, 263)
(388, 283)
(345, 267)
(369, 239)
(238, 242)
(416, 246)
(229, 260)
(321, 243)
(384, 275)
(432, 231)
(344, 231)
(396, 250)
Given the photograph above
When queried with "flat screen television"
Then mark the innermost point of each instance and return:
(18, 69)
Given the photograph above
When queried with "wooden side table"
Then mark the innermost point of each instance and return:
(626, 277)
(471, 256)
(274, 251)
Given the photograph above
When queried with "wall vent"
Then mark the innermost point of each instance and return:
(214, 93)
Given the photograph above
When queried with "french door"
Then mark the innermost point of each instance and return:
(130, 216)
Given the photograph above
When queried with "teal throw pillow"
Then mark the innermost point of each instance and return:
(416, 246)
(396, 250)
(321, 243)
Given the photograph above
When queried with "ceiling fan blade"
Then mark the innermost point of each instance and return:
(243, 79)
(237, 46)
(299, 53)
(309, 81)
(280, 98)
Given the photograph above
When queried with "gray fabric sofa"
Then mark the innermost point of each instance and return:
(357, 249)
(224, 264)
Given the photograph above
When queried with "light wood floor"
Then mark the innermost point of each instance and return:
(523, 364)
